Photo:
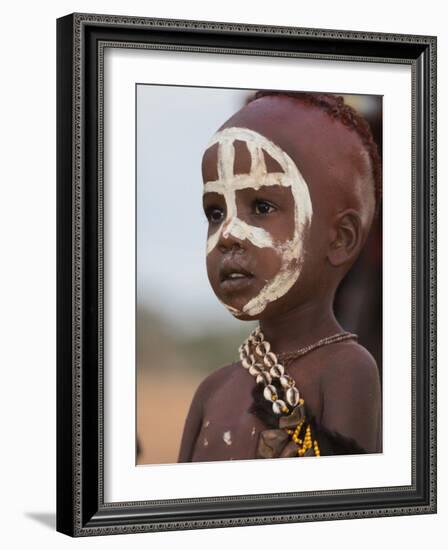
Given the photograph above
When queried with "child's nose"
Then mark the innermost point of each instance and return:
(228, 226)
(230, 235)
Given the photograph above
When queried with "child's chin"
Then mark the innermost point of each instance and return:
(236, 310)
(241, 316)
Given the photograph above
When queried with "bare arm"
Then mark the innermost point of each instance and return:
(192, 426)
(195, 415)
(352, 398)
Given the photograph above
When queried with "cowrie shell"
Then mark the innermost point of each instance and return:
(269, 391)
(254, 371)
(292, 396)
(277, 371)
(263, 378)
(262, 348)
(270, 359)
(278, 405)
(286, 381)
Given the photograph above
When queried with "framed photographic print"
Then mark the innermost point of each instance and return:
(246, 274)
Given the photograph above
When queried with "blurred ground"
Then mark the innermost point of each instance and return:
(160, 426)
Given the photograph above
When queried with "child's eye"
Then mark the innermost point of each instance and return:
(263, 207)
(214, 215)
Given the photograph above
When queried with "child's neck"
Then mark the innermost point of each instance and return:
(301, 326)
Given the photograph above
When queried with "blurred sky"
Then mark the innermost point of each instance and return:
(174, 124)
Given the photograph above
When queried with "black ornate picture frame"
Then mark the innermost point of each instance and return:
(81, 507)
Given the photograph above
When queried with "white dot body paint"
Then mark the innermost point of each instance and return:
(227, 437)
(290, 251)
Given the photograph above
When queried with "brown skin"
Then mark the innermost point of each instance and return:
(339, 382)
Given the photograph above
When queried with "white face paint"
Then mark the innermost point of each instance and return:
(290, 251)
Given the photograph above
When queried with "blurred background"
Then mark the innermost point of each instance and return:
(183, 332)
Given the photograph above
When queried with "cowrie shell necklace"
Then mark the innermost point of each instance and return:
(263, 364)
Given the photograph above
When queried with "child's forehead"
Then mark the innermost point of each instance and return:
(248, 152)
(321, 146)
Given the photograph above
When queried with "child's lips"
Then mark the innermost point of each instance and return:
(237, 284)
(234, 277)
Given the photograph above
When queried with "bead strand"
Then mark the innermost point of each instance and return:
(263, 364)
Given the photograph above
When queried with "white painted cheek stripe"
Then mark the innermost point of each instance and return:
(241, 230)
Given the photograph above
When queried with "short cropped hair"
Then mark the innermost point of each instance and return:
(336, 107)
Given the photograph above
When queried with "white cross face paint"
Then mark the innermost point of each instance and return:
(228, 183)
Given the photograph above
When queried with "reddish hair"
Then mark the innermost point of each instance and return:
(336, 107)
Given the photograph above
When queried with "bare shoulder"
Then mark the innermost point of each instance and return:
(216, 379)
(351, 394)
(349, 362)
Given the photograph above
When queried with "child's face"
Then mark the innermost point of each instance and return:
(259, 210)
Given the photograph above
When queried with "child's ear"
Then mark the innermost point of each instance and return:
(346, 238)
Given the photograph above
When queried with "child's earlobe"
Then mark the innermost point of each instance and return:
(345, 238)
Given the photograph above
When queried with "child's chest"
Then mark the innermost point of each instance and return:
(229, 431)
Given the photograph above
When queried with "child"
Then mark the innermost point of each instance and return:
(291, 185)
